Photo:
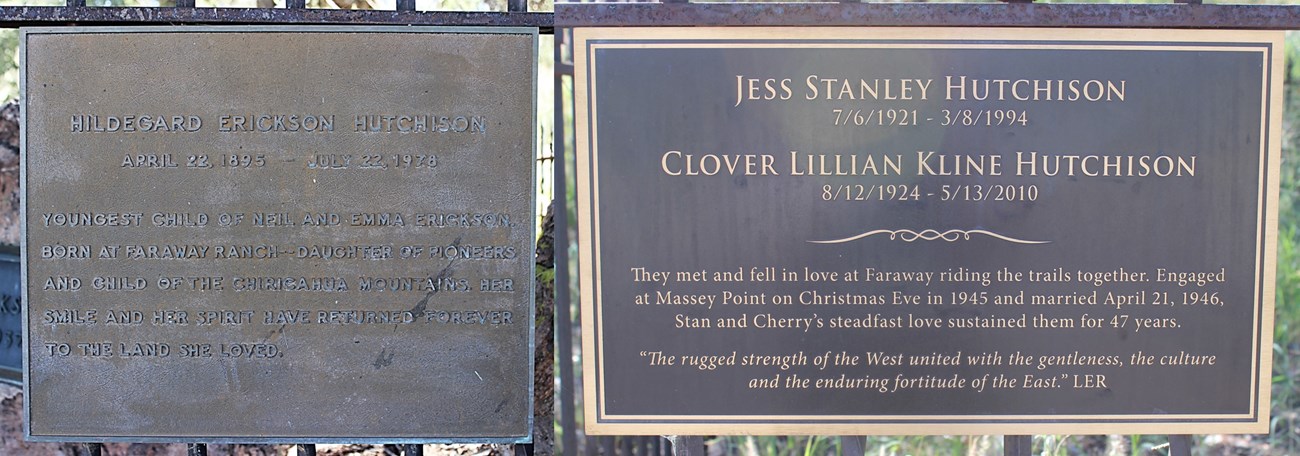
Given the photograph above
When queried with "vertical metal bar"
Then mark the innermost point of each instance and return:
(853, 445)
(568, 395)
(517, 6)
(184, 3)
(95, 449)
(592, 445)
(295, 4)
(412, 450)
(607, 446)
(655, 447)
(687, 445)
(1180, 445)
(1018, 445)
(306, 450)
(523, 449)
(196, 449)
(406, 5)
(76, 3)
(628, 445)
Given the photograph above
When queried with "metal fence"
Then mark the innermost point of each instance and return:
(296, 12)
(1015, 13)
(572, 440)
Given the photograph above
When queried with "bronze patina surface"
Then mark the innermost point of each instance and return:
(279, 234)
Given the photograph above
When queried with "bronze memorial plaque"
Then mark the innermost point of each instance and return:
(927, 231)
(288, 234)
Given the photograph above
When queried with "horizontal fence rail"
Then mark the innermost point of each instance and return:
(76, 12)
(1164, 15)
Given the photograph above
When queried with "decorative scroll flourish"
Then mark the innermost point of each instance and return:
(930, 235)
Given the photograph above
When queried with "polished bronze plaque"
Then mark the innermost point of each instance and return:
(279, 234)
(936, 231)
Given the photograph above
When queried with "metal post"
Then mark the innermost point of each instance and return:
(1018, 445)
(523, 449)
(1180, 445)
(853, 445)
(306, 450)
(406, 5)
(413, 450)
(687, 445)
(295, 4)
(95, 449)
(196, 449)
(517, 6)
(563, 318)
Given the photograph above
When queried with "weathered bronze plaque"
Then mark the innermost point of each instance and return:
(279, 234)
(927, 231)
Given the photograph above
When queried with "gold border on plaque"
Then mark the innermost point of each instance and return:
(1267, 43)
